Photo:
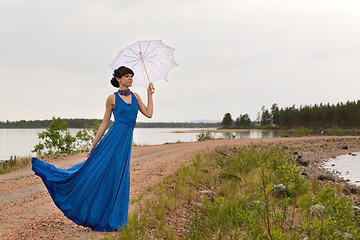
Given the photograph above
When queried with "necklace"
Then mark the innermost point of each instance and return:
(125, 92)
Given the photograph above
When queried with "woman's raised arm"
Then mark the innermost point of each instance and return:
(147, 110)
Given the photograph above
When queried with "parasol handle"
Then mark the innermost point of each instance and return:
(152, 90)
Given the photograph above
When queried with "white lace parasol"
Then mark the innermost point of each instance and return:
(150, 60)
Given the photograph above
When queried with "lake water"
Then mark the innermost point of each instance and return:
(347, 166)
(20, 142)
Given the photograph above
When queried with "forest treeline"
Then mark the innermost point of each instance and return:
(71, 123)
(344, 115)
(81, 123)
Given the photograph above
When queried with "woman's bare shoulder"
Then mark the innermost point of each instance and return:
(111, 96)
(111, 99)
(136, 95)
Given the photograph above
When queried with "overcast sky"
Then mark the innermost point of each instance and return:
(234, 55)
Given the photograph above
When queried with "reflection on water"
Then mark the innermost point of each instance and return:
(347, 165)
(250, 134)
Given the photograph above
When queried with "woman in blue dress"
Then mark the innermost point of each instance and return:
(95, 193)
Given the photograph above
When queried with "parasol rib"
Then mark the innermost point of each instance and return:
(152, 90)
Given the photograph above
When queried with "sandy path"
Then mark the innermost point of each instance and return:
(27, 211)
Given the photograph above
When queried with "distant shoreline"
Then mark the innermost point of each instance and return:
(222, 130)
(81, 123)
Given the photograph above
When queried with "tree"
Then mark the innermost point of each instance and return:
(243, 121)
(227, 121)
(275, 113)
(266, 117)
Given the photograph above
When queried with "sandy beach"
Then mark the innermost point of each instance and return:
(27, 211)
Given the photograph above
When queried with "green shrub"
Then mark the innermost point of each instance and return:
(56, 139)
(284, 134)
(336, 131)
(301, 132)
(85, 137)
(208, 135)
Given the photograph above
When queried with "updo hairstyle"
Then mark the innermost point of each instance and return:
(119, 73)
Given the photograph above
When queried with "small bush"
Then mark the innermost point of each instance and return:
(301, 132)
(336, 131)
(205, 136)
(56, 139)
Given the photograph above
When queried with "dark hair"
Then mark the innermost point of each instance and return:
(119, 73)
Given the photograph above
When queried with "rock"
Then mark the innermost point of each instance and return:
(259, 203)
(224, 154)
(356, 210)
(317, 210)
(326, 177)
(302, 161)
(353, 188)
(344, 147)
(279, 190)
(352, 154)
(346, 191)
(347, 235)
(305, 174)
(209, 194)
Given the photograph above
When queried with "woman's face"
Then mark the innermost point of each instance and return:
(126, 80)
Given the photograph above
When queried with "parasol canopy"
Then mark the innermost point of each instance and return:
(150, 60)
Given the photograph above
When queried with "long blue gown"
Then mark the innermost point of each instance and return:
(95, 193)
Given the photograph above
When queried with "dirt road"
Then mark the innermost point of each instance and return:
(27, 211)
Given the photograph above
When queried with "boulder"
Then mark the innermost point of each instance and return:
(346, 191)
(356, 210)
(302, 161)
(305, 174)
(317, 210)
(210, 194)
(353, 188)
(279, 190)
(347, 235)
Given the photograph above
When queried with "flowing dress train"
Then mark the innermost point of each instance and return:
(95, 193)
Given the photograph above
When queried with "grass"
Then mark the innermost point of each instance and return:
(14, 163)
(240, 201)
